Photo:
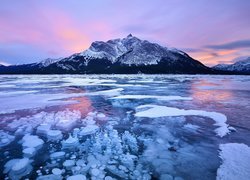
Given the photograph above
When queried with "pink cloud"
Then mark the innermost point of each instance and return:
(53, 31)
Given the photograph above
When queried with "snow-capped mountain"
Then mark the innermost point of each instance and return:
(126, 55)
(130, 50)
(242, 66)
(48, 61)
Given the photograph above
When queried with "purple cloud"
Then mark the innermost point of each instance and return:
(232, 45)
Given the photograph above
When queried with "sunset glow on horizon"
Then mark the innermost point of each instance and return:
(210, 31)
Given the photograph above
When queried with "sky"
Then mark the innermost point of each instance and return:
(211, 31)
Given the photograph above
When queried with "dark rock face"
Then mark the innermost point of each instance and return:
(119, 56)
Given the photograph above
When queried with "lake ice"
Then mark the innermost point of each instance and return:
(124, 127)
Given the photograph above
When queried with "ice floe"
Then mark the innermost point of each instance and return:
(235, 162)
(154, 111)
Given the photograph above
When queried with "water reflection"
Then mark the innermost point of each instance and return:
(207, 91)
(84, 105)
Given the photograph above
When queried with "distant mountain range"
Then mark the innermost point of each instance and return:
(242, 66)
(128, 55)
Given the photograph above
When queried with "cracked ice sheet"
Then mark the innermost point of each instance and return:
(29, 101)
(154, 111)
(15, 93)
(54, 81)
(162, 98)
(72, 81)
(235, 162)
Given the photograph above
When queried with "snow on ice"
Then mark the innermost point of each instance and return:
(235, 162)
(153, 111)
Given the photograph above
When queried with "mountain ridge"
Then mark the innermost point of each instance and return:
(129, 55)
(242, 66)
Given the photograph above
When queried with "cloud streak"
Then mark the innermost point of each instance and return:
(231, 45)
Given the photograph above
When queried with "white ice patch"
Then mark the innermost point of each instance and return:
(57, 171)
(125, 85)
(49, 177)
(161, 98)
(110, 93)
(29, 152)
(74, 81)
(54, 135)
(9, 104)
(89, 129)
(235, 162)
(5, 138)
(68, 164)
(154, 111)
(63, 120)
(70, 143)
(15, 93)
(57, 155)
(31, 141)
(66, 120)
(43, 129)
(18, 168)
(77, 177)
(191, 127)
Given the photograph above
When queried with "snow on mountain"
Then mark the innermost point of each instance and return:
(242, 66)
(130, 50)
(48, 61)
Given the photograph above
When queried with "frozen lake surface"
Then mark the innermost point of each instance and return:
(124, 127)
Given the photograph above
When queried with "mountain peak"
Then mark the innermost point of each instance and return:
(129, 36)
(123, 55)
(131, 50)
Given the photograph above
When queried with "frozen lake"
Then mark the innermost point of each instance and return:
(124, 127)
